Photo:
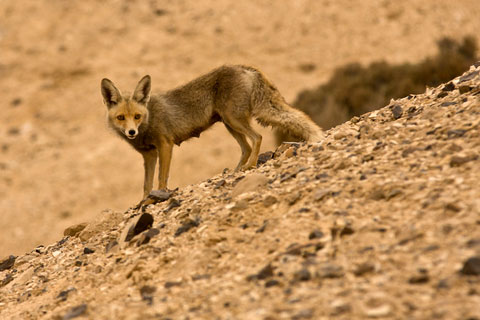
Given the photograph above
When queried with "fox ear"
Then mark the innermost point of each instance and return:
(142, 91)
(111, 95)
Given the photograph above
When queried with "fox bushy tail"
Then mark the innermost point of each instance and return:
(270, 109)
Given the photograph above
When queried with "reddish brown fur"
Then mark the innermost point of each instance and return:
(231, 94)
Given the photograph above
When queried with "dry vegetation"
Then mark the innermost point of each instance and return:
(353, 89)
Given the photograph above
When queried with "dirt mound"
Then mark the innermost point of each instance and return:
(380, 220)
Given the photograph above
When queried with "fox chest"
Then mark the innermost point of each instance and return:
(141, 143)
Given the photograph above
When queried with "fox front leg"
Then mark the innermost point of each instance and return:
(164, 159)
(149, 162)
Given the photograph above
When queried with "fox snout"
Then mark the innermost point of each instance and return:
(131, 133)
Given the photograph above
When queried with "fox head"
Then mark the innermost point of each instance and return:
(127, 113)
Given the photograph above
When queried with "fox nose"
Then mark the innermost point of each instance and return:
(132, 132)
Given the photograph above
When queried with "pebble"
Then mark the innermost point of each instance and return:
(265, 273)
(329, 270)
(302, 275)
(160, 195)
(471, 267)
(7, 263)
(269, 201)
(146, 236)
(363, 269)
(88, 251)
(264, 157)
(75, 312)
(187, 225)
(397, 111)
(379, 312)
(74, 230)
(456, 161)
(315, 234)
(252, 182)
(147, 293)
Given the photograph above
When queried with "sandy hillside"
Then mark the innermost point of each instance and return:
(59, 165)
(381, 220)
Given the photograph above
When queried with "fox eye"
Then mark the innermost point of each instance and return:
(138, 116)
(121, 117)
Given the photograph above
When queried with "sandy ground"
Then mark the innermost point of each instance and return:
(59, 165)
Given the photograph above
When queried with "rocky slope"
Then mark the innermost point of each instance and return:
(60, 165)
(380, 220)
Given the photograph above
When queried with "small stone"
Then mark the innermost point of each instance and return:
(160, 195)
(143, 223)
(464, 89)
(186, 226)
(7, 263)
(147, 293)
(397, 111)
(252, 182)
(443, 284)
(456, 161)
(56, 253)
(339, 307)
(137, 226)
(339, 135)
(269, 201)
(241, 204)
(315, 234)
(453, 207)
(111, 245)
(160, 12)
(302, 275)
(330, 271)
(75, 312)
(146, 236)
(321, 194)
(8, 278)
(363, 269)
(263, 227)
(307, 67)
(292, 198)
(170, 284)
(469, 76)
(220, 184)
(16, 102)
(473, 243)
(448, 87)
(88, 250)
(447, 104)
(379, 312)
(451, 134)
(421, 278)
(442, 94)
(74, 230)
(265, 273)
(471, 267)
(272, 283)
(173, 203)
(303, 314)
(264, 157)
(290, 152)
(63, 295)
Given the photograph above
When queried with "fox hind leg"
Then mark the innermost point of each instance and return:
(242, 141)
(242, 126)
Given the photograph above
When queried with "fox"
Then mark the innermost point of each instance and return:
(233, 94)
